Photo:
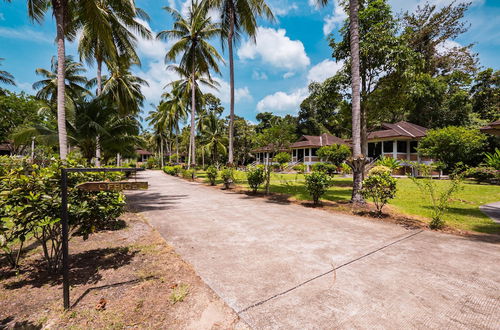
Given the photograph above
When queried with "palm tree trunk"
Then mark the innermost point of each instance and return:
(97, 138)
(231, 83)
(59, 8)
(358, 159)
(193, 111)
(161, 152)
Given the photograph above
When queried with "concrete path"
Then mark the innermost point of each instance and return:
(283, 266)
(492, 210)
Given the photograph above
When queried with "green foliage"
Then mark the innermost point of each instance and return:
(227, 175)
(329, 169)
(179, 293)
(189, 174)
(452, 145)
(16, 110)
(439, 198)
(484, 174)
(380, 186)
(299, 168)
(493, 159)
(153, 162)
(282, 158)
(389, 162)
(172, 170)
(212, 174)
(317, 184)
(345, 169)
(30, 207)
(256, 177)
(335, 153)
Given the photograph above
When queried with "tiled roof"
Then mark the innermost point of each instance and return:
(492, 125)
(324, 139)
(143, 152)
(400, 129)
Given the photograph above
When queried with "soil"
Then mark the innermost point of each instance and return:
(125, 278)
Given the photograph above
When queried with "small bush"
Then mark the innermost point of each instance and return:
(227, 175)
(329, 169)
(380, 186)
(153, 163)
(212, 174)
(299, 168)
(189, 174)
(345, 169)
(256, 177)
(493, 159)
(317, 184)
(282, 158)
(335, 154)
(484, 174)
(389, 162)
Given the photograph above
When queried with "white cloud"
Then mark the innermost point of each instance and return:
(335, 19)
(289, 74)
(26, 87)
(411, 5)
(223, 92)
(153, 48)
(25, 33)
(446, 46)
(282, 8)
(282, 102)
(256, 75)
(324, 70)
(276, 49)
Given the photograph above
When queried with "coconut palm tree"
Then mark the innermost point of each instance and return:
(238, 16)
(6, 77)
(358, 160)
(107, 27)
(214, 136)
(189, 85)
(198, 55)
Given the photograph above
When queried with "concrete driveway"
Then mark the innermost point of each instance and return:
(283, 266)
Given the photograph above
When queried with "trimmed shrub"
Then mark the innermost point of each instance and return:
(227, 175)
(256, 177)
(282, 158)
(345, 169)
(335, 153)
(212, 175)
(329, 169)
(317, 184)
(299, 168)
(484, 174)
(380, 186)
(189, 174)
(152, 163)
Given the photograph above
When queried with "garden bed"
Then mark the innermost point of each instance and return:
(123, 278)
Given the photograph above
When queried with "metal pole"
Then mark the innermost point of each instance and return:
(64, 224)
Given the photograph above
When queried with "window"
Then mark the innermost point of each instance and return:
(388, 146)
(374, 149)
(402, 146)
(294, 153)
(413, 147)
(314, 151)
(307, 152)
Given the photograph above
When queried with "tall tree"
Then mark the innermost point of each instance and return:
(107, 34)
(6, 77)
(198, 55)
(237, 16)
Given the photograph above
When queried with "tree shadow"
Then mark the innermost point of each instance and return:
(7, 323)
(150, 201)
(84, 268)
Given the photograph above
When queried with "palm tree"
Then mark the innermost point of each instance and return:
(214, 136)
(74, 82)
(237, 16)
(358, 160)
(189, 85)
(107, 27)
(198, 55)
(6, 77)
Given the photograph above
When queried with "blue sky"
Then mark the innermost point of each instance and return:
(271, 75)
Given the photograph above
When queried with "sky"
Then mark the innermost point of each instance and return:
(271, 74)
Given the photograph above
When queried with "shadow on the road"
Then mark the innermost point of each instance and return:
(150, 201)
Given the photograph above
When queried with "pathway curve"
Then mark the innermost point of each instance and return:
(285, 266)
(492, 210)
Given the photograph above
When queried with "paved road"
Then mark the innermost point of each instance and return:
(492, 210)
(283, 266)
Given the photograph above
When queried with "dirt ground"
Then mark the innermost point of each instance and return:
(127, 278)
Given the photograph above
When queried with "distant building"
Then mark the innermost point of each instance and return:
(6, 149)
(492, 128)
(143, 155)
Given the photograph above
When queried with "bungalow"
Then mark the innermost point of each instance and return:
(303, 150)
(492, 128)
(143, 155)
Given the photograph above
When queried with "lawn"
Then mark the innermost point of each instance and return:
(463, 213)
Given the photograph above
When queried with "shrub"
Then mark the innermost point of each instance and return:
(329, 169)
(316, 184)
(493, 159)
(345, 169)
(438, 198)
(227, 175)
(299, 168)
(452, 145)
(152, 163)
(484, 174)
(172, 170)
(380, 186)
(189, 174)
(30, 206)
(335, 153)
(256, 177)
(212, 174)
(282, 158)
(389, 162)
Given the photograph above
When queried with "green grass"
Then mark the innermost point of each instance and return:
(463, 213)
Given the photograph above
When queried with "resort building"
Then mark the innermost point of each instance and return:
(492, 128)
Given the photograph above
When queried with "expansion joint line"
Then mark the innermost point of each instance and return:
(329, 272)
